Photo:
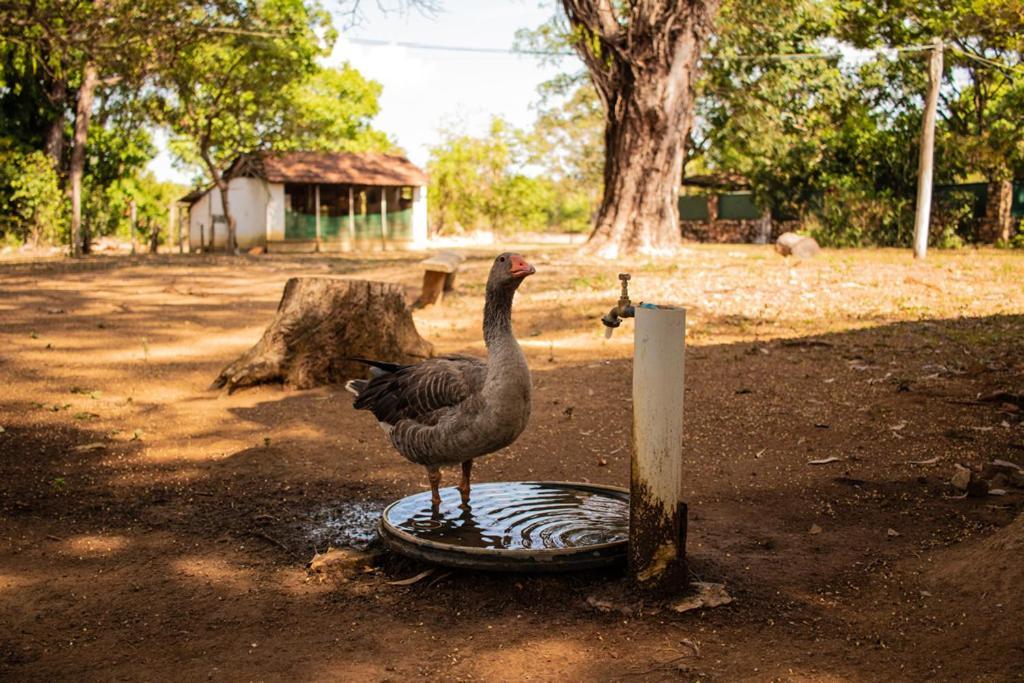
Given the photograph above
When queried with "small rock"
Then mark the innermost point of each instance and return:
(892, 533)
(602, 462)
(961, 478)
(814, 530)
(792, 244)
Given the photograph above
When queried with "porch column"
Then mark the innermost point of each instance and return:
(351, 221)
(384, 218)
(316, 203)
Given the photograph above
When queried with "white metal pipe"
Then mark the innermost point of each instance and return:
(657, 517)
(922, 216)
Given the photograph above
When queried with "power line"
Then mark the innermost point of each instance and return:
(989, 62)
(377, 42)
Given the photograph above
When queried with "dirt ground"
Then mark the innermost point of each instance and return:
(152, 529)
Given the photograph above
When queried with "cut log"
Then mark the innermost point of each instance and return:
(438, 277)
(792, 244)
(320, 325)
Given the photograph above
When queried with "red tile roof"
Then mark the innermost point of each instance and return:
(364, 168)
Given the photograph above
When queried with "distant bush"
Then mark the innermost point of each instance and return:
(853, 217)
(953, 222)
(31, 202)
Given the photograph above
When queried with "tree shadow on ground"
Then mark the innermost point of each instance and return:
(119, 567)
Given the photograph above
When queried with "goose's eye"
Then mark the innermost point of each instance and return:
(501, 258)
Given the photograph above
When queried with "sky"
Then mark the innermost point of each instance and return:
(426, 90)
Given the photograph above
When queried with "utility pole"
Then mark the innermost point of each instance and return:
(926, 160)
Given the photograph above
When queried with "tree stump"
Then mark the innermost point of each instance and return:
(320, 325)
(438, 277)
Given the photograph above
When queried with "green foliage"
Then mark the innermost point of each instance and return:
(30, 197)
(331, 111)
(110, 209)
(838, 146)
(467, 175)
(227, 96)
(482, 183)
(265, 90)
(979, 102)
(1017, 240)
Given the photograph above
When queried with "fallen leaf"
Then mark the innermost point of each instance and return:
(94, 446)
(892, 533)
(1001, 463)
(414, 579)
(708, 595)
(814, 530)
(929, 461)
(997, 492)
(824, 461)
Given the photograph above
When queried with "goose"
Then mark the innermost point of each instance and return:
(452, 409)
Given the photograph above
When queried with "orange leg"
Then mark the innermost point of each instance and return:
(434, 476)
(467, 468)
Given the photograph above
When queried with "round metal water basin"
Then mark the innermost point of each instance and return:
(513, 526)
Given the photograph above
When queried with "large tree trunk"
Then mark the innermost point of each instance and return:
(643, 66)
(221, 182)
(639, 210)
(232, 244)
(83, 111)
(321, 324)
(55, 132)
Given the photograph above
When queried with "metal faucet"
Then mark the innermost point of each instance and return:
(623, 309)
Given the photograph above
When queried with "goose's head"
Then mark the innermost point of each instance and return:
(509, 271)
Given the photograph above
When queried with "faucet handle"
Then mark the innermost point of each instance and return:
(624, 278)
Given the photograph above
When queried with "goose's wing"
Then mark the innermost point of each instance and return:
(416, 392)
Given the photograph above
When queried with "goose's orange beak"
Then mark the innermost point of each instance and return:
(520, 268)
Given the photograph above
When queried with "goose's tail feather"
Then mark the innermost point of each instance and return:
(377, 368)
(356, 386)
(378, 364)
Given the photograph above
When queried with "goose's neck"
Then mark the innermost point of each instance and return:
(498, 318)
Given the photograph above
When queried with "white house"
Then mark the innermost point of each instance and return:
(314, 201)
